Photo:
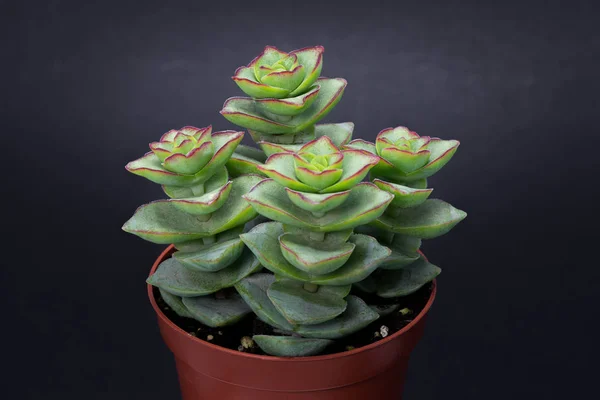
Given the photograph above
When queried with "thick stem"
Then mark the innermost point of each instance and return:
(198, 189)
(310, 287)
(318, 236)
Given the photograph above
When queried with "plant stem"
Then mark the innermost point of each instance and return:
(318, 236)
(311, 287)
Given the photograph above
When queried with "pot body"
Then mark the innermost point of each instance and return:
(207, 371)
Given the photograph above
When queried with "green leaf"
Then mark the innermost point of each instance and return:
(290, 346)
(289, 106)
(245, 79)
(312, 60)
(192, 162)
(198, 244)
(245, 160)
(364, 203)
(243, 111)
(317, 203)
(314, 257)
(285, 79)
(219, 179)
(217, 312)
(179, 280)
(357, 316)
(318, 179)
(367, 255)
(175, 303)
(360, 144)
(300, 306)
(431, 219)
(149, 166)
(254, 291)
(213, 257)
(205, 204)
(404, 196)
(161, 222)
(405, 281)
(403, 160)
(356, 166)
(339, 133)
(384, 309)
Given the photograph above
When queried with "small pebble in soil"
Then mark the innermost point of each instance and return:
(376, 334)
(247, 342)
(193, 334)
(384, 330)
(348, 348)
(240, 348)
(405, 311)
(210, 337)
(220, 333)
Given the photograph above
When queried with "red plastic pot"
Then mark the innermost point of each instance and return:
(207, 371)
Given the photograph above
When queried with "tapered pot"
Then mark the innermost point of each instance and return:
(210, 372)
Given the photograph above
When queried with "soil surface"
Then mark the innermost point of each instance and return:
(231, 336)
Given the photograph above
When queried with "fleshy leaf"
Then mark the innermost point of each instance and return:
(243, 111)
(367, 255)
(179, 280)
(163, 223)
(217, 312)
(206, 203)
(405, 281)
(357, 316)
(290, 346)
(254, 291)
(384, 309)
(175, 303)
(192, 162)
(364, 203)
(280, 167)
(245, 160)
(288, 80)
(314, 257)
(312, 60)
(289, 106)
(317, 203)
(360, 144)
(431, 219)
(300, 306)
(404, 196)
(245, 79)
(199, 244)
(219, 179)
(356, 166)
(212, 257)
(318, 179)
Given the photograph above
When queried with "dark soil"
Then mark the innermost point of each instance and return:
(231, 336)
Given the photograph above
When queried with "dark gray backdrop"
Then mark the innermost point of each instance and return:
(87, 84)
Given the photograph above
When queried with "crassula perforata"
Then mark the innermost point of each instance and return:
(297, 231)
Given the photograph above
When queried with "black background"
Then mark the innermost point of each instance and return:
(87, 84)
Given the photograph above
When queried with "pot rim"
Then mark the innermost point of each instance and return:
(348, 353)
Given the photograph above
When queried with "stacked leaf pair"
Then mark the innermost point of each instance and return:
(406, 161)
(315, 198)
(287, 95)
(203, 218)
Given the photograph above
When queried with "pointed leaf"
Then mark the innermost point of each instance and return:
(198, 244)
(245, 79)
(339, 133)
(192, 162)
(404, 160)
(312, 60)
(280, 167)
(243, 111)
(364, 203)
(314, 257)
(405, 281)
(289, 106)
(213, 257)
(318, 179)
(288, 80)
(175, 303)
(357, 316)
(206, 203)
(161, 222)
(356, 166)
(254, 291)
(179, 280)
(317, 203)
(300, 306)
(290, 346)
(404, 196)
(360, 144)
(431, 219)
(217, 312)
(219, 179)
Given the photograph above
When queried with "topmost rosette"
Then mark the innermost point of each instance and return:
(277, 74)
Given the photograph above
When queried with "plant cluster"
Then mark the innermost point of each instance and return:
(291, 232)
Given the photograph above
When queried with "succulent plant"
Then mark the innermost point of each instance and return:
(291, 231)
